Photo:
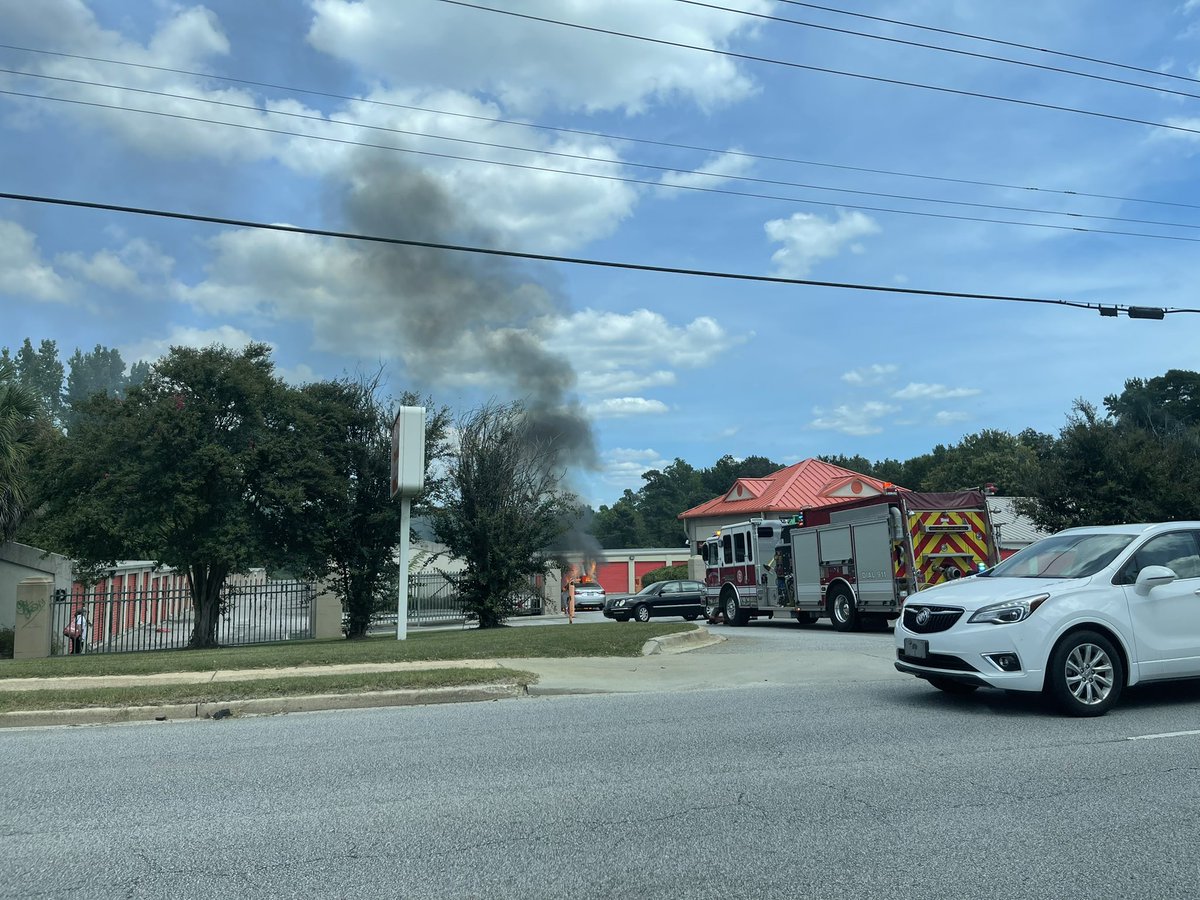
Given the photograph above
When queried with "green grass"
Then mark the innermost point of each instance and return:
(600, 639)
(223, 692)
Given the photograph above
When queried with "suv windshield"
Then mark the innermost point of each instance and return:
(1062, 556)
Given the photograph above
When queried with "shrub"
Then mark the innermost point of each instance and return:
(6, 643)
(666, 573)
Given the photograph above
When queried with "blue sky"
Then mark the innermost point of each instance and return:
(661, 366)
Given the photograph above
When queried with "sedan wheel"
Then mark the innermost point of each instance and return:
(642, 613)
(1086, 675)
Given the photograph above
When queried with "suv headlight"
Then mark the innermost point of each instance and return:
(1009, 611)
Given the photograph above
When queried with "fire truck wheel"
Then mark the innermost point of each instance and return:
(734, 615)
(641, 612)
(841, 610)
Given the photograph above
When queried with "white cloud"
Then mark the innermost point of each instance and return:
(640, 340)
(712, 173)
(299, 374)
(104, 268)
(532, 66)
(946, 417)
(127, 269)
(858, 421)
(23, 273)
(184, 39)
(872, 374)
(628, 352)
(152, 349)
(917, 391)
(623, 466)
(621, 407)
(808, 239)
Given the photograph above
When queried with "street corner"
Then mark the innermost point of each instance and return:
(681, 642)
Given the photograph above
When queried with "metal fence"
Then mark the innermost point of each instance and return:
(121, 620)
(433, 599)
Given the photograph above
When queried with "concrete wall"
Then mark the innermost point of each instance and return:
(20, 561)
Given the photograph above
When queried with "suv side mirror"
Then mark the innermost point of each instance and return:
(1153, 576)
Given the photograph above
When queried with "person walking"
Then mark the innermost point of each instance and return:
(77, 631)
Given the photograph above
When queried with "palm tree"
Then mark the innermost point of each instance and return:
(18, 407)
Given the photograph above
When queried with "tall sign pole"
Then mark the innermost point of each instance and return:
(408, 480)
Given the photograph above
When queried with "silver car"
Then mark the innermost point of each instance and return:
(589, 595)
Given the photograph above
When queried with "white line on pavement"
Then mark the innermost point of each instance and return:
(1165, 734)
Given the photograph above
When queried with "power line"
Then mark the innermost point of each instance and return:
(613, 178)
(600, 134)
(879, 79)
(572, 260)
(992, 40)
(576, 156)
(941, 49)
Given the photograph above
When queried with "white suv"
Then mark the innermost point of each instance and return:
(1081, 615)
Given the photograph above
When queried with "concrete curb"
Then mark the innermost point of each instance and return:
(262, 706)
(681, 642)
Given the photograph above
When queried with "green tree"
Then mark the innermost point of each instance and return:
(666, 494)
(209, 467)
(620, 525)
(41, 372)
(720, 476)
(990, 456)
(18, 410)
(99, 371)
(649, 517)
(505, 507)
(1100, 472)
(1163, 404)
(361, 522)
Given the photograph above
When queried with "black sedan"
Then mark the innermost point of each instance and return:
(663, 598)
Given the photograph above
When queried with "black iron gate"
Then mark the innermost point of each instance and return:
(120, 620)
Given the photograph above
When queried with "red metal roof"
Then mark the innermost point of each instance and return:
(800, 486)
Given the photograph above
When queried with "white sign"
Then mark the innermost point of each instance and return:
(408, 451)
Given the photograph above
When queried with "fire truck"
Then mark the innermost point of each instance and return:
(853, 562)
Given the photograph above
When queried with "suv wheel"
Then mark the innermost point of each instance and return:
(1085, 675)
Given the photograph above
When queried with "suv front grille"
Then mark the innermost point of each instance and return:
(940, 617)
(937, 661)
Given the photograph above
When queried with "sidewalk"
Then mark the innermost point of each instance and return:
(555, 676)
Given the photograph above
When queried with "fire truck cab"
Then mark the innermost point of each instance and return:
(740, 582)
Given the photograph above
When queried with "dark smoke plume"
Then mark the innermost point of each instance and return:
(457, 312)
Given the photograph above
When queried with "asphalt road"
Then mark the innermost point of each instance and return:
(869, 789)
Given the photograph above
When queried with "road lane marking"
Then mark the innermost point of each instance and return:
(1165, 734)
